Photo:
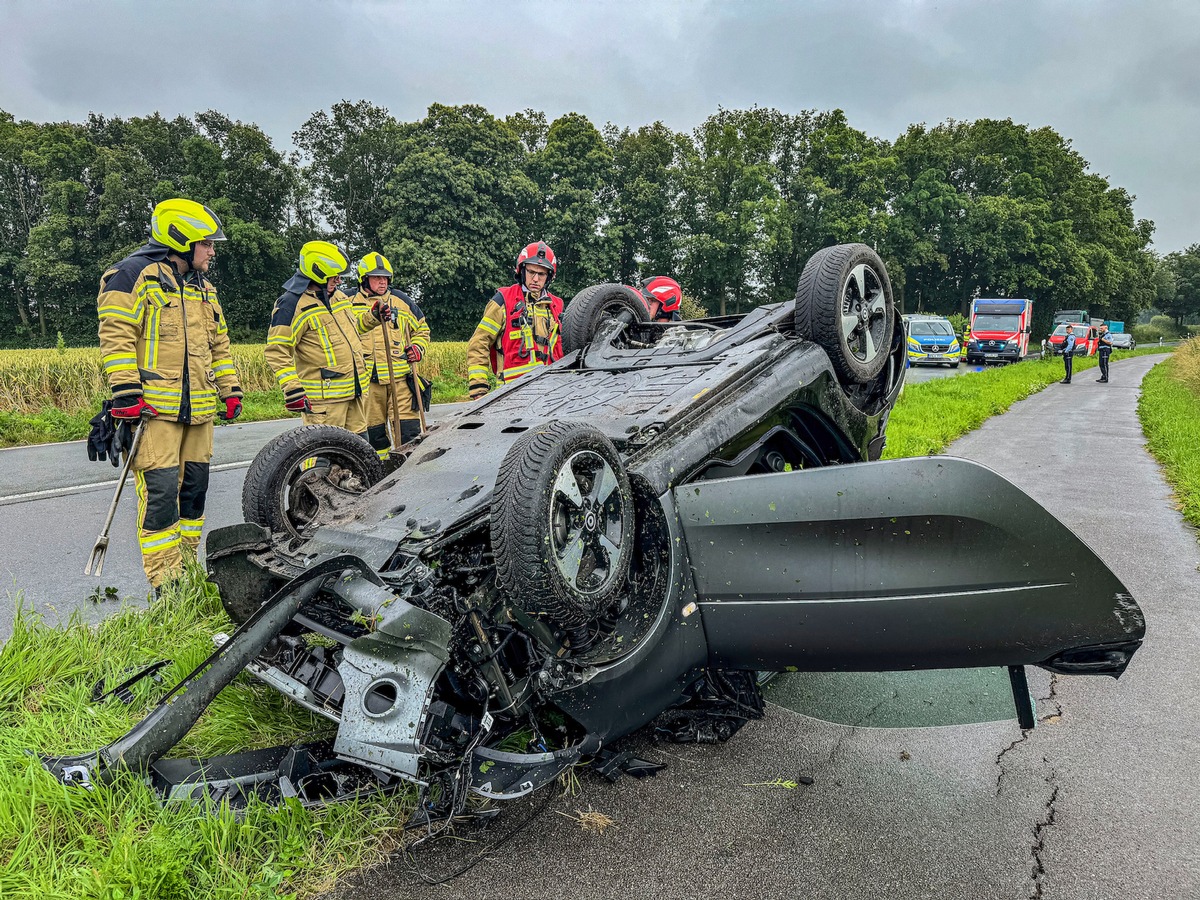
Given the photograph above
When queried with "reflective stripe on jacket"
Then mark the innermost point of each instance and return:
(515, 336)
(165, 337)
(315, 342)
(410, 328)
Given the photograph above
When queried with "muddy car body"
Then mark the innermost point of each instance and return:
(627, 536)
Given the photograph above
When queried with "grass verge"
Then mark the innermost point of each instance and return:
(932, 414)
(116, 841)
(1169, 409)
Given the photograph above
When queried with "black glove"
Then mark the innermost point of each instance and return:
(120, 442)
(101, 434)
(426, 391)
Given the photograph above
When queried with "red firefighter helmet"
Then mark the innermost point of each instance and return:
(665, 291)
(540, 254)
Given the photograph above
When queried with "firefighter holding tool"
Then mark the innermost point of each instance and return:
(165, 349)
(314, 344)
(520, 327)
(392, 354)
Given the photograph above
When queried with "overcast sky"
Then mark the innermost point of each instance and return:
(1121, 80)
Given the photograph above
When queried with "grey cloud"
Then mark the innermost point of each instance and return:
(1118, 79)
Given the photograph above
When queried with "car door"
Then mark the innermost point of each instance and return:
(926, 563)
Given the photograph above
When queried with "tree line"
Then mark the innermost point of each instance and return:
(732, 209)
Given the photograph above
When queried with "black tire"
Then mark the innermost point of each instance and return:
(954, 365)
(552, 495)
(282, 494)
(594, 305)
(838, 285)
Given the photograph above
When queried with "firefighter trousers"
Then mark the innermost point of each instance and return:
(171, 480)
(350, 414)
(379, 414)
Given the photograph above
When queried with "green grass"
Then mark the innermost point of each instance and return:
(1169, 410)
(116, 841)
(930, 415)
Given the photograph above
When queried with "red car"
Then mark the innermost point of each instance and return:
(1087, 339)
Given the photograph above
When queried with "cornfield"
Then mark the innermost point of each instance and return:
(72, 380)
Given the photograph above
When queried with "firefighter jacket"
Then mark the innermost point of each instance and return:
(315, 344)
(410, 328)
(515, 336)
(164, 337)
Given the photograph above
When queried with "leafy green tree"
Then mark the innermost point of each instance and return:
(1181, 297)
(456, 208)
(729, 196)
(349, 156)
(832, 185)
(643, 214)
(574, 171)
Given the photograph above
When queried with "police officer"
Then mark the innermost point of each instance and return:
(1068, 353)
(408, 342)
(165, 348)
(314, 344)
(663, 298)
(520, 327)
(1104, 351)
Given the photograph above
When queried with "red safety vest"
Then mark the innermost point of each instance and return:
(519, 345)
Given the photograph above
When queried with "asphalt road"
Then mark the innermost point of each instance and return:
(53, 501)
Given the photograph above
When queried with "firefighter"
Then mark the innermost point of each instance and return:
(165, 349)
(663, 298)
(519, 330)
(409, 342)
(314, 344)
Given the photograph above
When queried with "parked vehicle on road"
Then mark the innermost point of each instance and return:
(1071, 316)
(999, 330)
(626, 536)
(1122, 340)
(931, 341)
(1087, 339)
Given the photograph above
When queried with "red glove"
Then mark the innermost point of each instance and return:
(413, 352)
(132, 408)
(297, 401)
(381, 310)
(233, 409)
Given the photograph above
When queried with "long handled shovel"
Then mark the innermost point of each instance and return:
(96, 560)
(416, 382)
(391, 388)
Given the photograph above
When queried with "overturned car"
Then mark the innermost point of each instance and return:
(626, 536)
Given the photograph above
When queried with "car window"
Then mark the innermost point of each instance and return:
(897, 699)
(934, 329)
(995, 323)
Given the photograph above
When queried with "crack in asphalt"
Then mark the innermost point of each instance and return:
(1052, 697)
(1039, 834)
(1000, 756)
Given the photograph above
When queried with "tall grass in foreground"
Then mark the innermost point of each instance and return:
(932, 414)
(116, 841)
(49, 395)
(1169, 409)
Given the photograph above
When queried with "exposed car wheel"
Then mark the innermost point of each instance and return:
(954, 365)
(562, 523)
(594, 305)
(305, 472)
(844, 303)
